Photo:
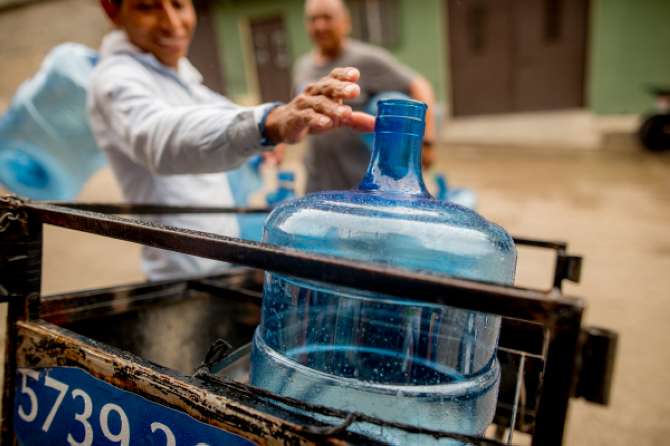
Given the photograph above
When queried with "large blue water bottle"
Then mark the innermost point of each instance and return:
(462, 196)
(285, 188)
(251, 225)
(423, 364)
(47, 150)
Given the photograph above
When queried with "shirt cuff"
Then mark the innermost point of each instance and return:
(260, 116)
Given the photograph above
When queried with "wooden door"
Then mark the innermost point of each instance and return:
(273, 59)
(204, 51)
(516, 55)
(479, 42)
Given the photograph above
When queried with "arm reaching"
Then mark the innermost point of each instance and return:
(319, 108)
(174, 139)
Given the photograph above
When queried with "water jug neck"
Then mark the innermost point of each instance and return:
(395, 166)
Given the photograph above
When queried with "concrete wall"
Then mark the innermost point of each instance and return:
(629, 49)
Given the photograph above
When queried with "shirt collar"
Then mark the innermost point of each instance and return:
(117, 42)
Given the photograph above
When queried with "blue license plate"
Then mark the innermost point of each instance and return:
(68, 406)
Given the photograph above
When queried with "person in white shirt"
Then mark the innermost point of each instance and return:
(169, 138)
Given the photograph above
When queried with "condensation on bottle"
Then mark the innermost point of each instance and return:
(400, 360)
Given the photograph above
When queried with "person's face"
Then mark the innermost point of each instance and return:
(163, 28)
(327, 24)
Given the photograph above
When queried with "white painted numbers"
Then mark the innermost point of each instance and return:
(29, 416)
(112, 421)
(83, 419)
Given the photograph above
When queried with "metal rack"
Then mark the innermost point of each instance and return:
(547, 356)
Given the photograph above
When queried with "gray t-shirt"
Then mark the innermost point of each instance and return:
(337, 160)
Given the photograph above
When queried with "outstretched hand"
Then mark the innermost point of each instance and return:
(319, 108)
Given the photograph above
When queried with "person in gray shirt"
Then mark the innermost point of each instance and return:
(337, 160)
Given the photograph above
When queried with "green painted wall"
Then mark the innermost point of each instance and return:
(629, 49)
(423, 42)
(421, 47)
(230, 14)
(629, 46)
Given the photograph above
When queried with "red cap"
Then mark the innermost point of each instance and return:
(111, 9)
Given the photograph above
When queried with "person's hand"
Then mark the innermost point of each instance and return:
(319, 108)
(428, 155)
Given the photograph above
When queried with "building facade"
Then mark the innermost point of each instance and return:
(483, 57)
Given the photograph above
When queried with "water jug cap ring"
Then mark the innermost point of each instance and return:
(406, 108)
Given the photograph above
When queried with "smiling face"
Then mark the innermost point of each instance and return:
(328, 24)
(163, 28)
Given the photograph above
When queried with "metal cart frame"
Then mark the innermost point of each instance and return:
(543, 324)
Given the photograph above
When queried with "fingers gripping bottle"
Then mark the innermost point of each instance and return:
(424, 364)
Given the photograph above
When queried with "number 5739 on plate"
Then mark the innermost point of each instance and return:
(68, 406)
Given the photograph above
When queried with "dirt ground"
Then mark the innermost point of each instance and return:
(611, 207)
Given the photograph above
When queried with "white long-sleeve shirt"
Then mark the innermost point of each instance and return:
(168, 139)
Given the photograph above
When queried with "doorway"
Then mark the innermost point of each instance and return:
(516, 55)
(204, 51)
(272, 57)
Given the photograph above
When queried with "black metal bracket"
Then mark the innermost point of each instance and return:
(595, 367)
(568, 267)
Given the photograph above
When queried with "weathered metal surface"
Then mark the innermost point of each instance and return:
(559, 378)
(159, 209)
(41, 344)
(65, 308)
(347, 417)
(20, 280)
(506, 301)
(250, 412)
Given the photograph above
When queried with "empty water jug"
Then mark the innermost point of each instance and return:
(285, 188)
(423, 364)
(458, 195)
(47, 150)
(251, 225)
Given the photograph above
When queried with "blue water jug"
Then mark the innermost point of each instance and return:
(371, 108)
(47, 150)
(285, 188)
(424, 364)
(251, 225)
(462, 196)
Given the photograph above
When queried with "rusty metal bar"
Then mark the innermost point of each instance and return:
(559, 379)
(348, 417)
(20, 281)
(566, 268)
(158, 209)
(506, 301)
